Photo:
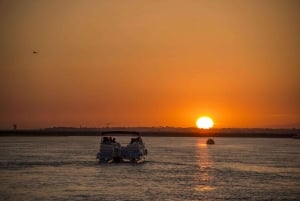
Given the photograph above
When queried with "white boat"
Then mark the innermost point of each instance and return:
(112, 150)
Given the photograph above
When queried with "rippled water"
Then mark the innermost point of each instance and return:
(65, 168)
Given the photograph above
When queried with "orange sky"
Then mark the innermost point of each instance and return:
(149, 63)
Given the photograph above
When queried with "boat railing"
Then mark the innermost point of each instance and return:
(123, 144)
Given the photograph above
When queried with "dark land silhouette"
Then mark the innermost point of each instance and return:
(157, 132)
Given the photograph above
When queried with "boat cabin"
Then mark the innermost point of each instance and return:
(112, 150)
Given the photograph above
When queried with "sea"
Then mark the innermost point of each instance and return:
(176, 168)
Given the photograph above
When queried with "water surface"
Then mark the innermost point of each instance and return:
(65, 168)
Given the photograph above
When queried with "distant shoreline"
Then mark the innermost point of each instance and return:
(259, 133)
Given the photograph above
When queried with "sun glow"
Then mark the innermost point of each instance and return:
(204, 122)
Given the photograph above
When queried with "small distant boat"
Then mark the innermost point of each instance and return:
(210, 141)
(112, 151)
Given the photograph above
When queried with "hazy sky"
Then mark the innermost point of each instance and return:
(149, 63)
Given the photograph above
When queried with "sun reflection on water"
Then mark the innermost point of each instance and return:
(204, 188)
(205, 164)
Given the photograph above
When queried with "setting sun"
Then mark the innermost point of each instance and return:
(204, 122)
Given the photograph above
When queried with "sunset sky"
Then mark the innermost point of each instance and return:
(149, 63)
